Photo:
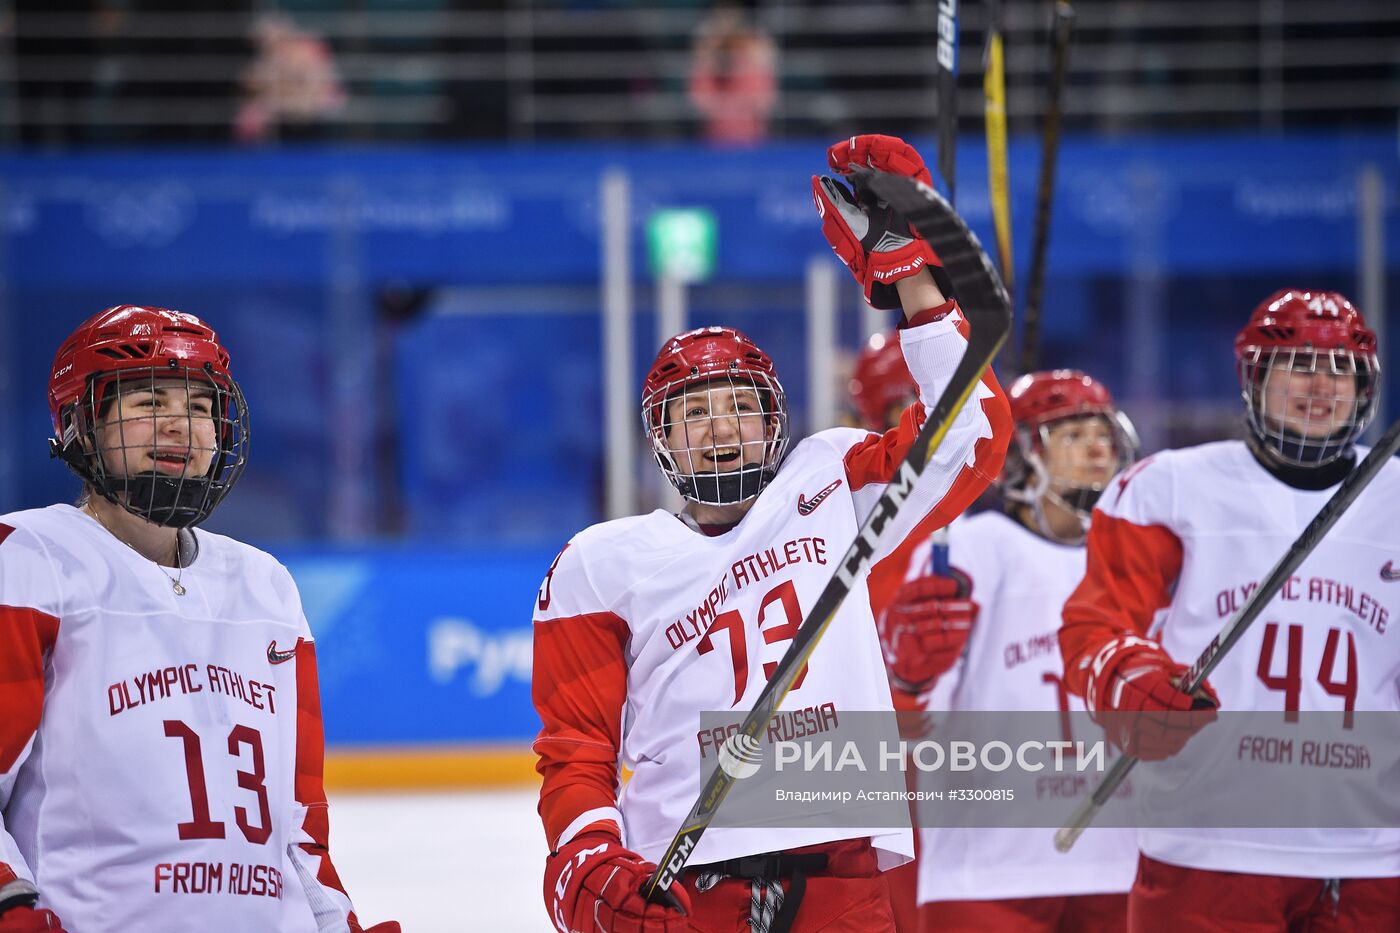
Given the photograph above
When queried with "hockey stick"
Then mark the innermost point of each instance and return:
(1297, 552)
(994, 112)
(947, 161)
(1049, 151)
(988, 311)
(948, 93)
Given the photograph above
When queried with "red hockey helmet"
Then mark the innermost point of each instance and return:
(715, 356)
(131, 348)
(1038, 402)
(881, 380)
(1295, 332)
(1040, 398)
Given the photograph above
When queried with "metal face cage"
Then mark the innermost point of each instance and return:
(166, 443)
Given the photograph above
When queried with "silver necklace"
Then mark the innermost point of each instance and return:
(175, 583)
(180, 562)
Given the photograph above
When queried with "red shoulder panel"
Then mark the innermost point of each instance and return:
(1132, 570)
(26, 636)
(579, 689)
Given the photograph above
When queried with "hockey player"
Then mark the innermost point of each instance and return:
(644, 622)
(983, 639)
(161, 743)
(1174, 542)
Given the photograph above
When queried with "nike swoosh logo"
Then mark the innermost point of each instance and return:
(277, 657)
(807, 506)
(1388, 573)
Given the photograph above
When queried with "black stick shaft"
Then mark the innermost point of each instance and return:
(1062, 32)
(947, 49)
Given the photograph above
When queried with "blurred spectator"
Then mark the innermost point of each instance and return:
(733, 77)
(291, 89)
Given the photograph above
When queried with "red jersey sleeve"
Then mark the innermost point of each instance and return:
(30, 615)
(1133, 562)
(964, 465)
(579, 689)
(309, 851)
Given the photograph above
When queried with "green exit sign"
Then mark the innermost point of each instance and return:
(681, 243)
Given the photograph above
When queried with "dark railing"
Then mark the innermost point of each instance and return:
(532, 70)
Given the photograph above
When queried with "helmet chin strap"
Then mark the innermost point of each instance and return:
(175, 502)
(170, 501)
(1080, 500)
(1037, 490)
(726, 488)
(1290, 449)
(1037, 508)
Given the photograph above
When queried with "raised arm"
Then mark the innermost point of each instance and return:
(897, 268)
(964, 465)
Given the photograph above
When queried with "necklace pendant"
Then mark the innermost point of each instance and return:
(179, 589)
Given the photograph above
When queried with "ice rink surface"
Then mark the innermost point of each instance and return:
(465, 862)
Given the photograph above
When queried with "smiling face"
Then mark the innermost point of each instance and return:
(717, 426)
(1311, 395)
(161, 426)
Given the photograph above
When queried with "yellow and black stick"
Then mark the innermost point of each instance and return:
(994, 110)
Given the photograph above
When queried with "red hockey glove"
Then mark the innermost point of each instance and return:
(388, 926)
(874, 241)
(593, 884)
(1132, 693)
(24, 919)
(924, 630)
(887, 153)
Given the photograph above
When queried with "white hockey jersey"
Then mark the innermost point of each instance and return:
(643, 623)
(1179, 541)
(160, 755)
(1012, 663)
